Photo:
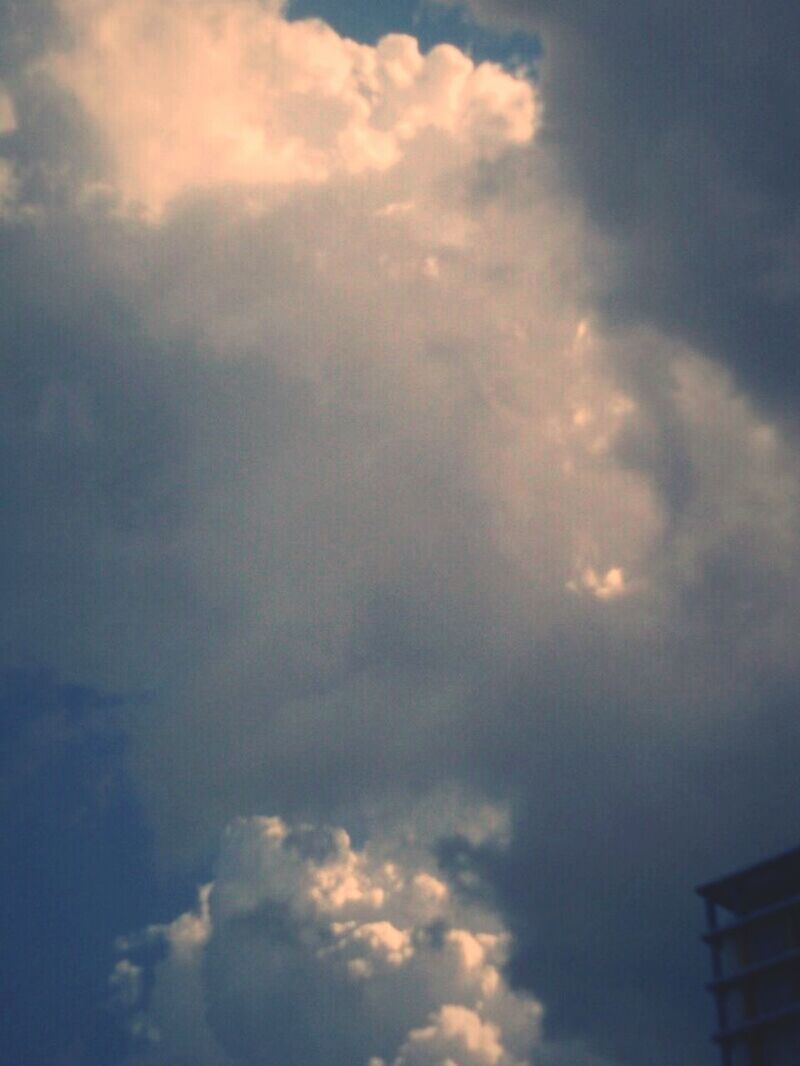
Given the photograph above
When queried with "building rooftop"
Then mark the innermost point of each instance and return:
(758, 886)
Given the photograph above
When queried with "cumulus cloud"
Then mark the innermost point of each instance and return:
(201, 95)
(456, 1034)
(305, 948)
(317, 434)
(418, 449)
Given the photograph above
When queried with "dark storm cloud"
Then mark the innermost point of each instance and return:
(677, 124)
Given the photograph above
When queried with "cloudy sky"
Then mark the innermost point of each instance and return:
(401, 523)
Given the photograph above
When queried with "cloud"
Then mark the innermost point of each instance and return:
(341, 459)
(455, 1034)
(8, 120)
(305, 947)
(8, 179)
(683, 161)
(202, 95)
(8, 186)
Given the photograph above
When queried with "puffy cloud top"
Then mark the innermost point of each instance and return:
(203, 93)
(307, 949)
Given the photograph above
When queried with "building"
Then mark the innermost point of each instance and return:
(753, 932)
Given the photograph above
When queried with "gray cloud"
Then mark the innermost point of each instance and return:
(676, 127)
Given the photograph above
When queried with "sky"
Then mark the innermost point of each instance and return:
(400, 540)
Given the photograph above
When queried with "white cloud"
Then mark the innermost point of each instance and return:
(455, 1035)
(305, 942)
(608, 586)
(203, 94)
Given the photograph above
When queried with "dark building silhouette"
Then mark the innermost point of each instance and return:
(753, 932)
